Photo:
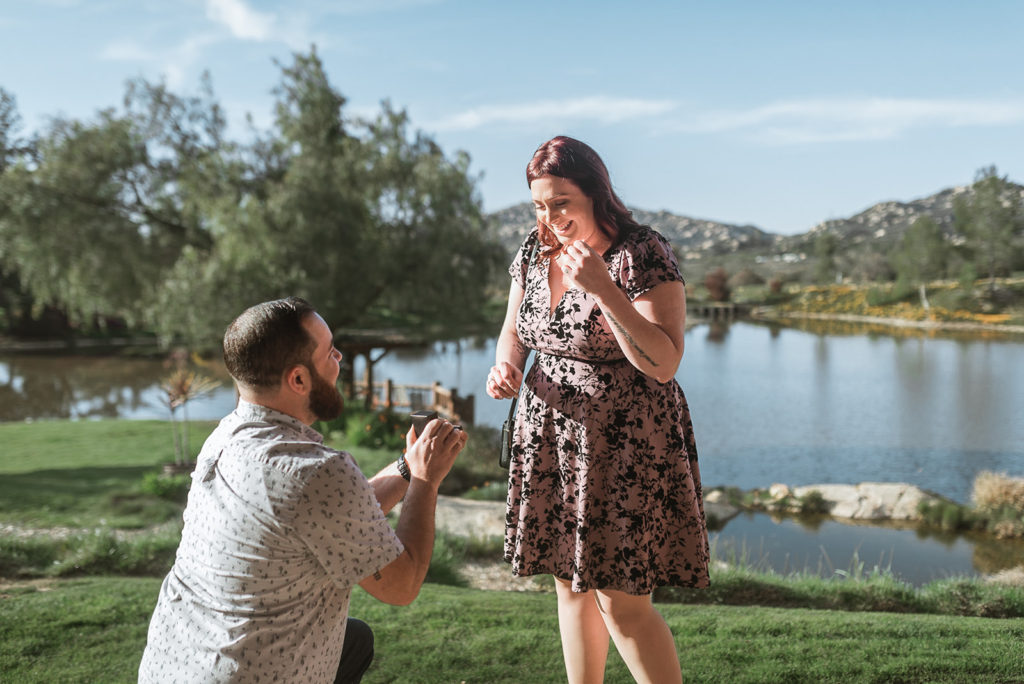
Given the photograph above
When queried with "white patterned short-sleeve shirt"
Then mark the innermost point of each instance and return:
(278, 529)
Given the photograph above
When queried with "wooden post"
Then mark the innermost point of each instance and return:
(368, 378)
(389, 388)
(435, 396)
(347, 377)
(463, 408)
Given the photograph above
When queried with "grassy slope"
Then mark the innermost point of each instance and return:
(94, 630)
(87, 473)
(83, 474)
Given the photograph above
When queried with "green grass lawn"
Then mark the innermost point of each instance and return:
(85, 473)
(94, 630)
(88, 474)
(750, 627)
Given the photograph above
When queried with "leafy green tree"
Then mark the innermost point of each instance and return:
(149, 213)
(10, 123)
(992, 220)
(97, 211)
(9, 284)
(826, 247)
(921, 255)
(371, 223)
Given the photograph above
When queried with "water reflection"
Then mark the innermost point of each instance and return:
(34, 387)
(829, 547)
(717, 331)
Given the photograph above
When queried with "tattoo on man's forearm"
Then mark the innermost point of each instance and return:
(632, 342)
(377, 576)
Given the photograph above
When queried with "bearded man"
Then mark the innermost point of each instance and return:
(279, 528)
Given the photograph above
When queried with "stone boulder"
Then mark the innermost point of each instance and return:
(717, 507)
(870, 500)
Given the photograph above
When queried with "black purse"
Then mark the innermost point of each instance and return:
(505, 457)
(505, 454)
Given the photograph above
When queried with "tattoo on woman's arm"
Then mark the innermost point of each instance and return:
(520, 350)
(632, 342)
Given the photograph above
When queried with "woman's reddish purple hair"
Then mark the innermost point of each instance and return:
(571, 159)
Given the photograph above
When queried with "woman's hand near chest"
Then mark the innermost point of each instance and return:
(581, 266)
(650, 330)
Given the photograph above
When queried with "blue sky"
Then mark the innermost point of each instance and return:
(779, 114)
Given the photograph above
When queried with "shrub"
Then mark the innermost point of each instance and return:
(947, 515)
(813, 503)
(968, 276)
(380, 430)
(901, 291)
(477, 465)
(993, 491)
(28, 556)
(169, 487)
(100, 552)
(745, 277)
(495, 490)
(952, 517)
(717, 284)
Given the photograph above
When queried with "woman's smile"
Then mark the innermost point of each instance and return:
(563, 208)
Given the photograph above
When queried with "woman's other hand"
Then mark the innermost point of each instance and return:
(503, 381)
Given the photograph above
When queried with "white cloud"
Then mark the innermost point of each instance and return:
(843, 120)
(601, 109)
(179, 63)
(243, 21)
(789, 122)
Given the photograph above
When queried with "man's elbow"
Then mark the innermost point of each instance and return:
(403, 596)
(395, 585)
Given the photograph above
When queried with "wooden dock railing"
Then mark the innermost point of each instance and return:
(446, 401)
(716, 311)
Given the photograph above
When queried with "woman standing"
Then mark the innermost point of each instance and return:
(604, 485)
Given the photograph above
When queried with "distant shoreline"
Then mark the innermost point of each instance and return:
(756, 313)
(770, 314)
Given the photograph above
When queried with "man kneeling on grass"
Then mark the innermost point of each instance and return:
(279, 527)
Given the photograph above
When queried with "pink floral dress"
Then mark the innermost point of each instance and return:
(604, 487)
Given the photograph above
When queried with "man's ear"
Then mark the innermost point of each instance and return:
(298, 380)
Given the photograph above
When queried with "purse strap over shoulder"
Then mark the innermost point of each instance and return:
(529, 264)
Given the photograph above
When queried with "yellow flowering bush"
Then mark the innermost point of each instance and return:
(870, 301)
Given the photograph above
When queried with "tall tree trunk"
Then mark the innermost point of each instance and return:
(177, 437)
(186, 447)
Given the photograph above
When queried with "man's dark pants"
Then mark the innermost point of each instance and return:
(356, 653)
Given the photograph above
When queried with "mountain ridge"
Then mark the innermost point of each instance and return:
(883, 222)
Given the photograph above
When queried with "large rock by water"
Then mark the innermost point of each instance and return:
(864, 501)
(870, 500)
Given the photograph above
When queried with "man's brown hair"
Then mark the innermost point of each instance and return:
(268, 339)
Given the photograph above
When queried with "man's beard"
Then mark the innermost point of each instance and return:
(325, 401)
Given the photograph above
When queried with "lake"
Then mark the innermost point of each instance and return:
(814, 404)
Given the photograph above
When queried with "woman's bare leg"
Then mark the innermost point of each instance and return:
(584, 635)
(641, 636)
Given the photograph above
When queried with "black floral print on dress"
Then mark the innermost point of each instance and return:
(604, 486)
